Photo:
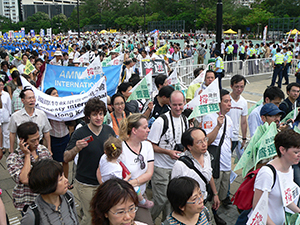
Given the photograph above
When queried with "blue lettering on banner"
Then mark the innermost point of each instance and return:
(65, 79)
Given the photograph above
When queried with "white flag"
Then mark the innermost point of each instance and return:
(201, 76)
(210, 95)
(260, 214)
(117, 61)
(296, 37)
(172, 79)
(265, 34)
(85, 58)
(94, 68)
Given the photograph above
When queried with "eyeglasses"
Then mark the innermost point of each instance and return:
(121, 213)
(197, 201)
(205, 140)
(140, 158)
(119, 104)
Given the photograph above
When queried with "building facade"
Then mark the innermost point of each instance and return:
(10, 9)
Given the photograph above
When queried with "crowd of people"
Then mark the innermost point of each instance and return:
(122, 148)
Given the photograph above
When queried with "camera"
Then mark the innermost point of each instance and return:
(179, 147)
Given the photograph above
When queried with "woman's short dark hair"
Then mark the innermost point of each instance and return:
(49, 90)
(180, 189)
(43, 177)
(94, 105)
(187, 139)
(287, 138)
(112, 100)
(124, 86)
(26, 129)
(109, 194)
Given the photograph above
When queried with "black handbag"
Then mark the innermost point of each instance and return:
(190, 164)
(215, 152)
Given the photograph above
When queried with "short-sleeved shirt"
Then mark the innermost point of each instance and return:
(202, 220)
(109, 169)
(180, 169)
(132, 162)
(238, 109)
(166, 141)
(66, 214)
(89, 156)
(264, 180)
(22, 195)
(5, 111)
(59, 129)
(209, 122)
(38, 117)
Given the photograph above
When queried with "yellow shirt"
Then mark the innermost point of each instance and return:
(191, 91)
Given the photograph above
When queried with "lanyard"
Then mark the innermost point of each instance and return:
(171, 117)
(117, 119)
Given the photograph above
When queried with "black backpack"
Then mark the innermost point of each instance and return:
(34, 208)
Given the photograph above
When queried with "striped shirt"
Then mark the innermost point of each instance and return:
(202, 220)
(59, 129)
(22, 195)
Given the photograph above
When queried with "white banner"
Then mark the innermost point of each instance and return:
(287, 40)
(70, 107)
(49, 32)
(93, 69)
(296, 38)
(265, 34)
(260, 214)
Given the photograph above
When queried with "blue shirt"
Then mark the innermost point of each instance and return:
(218, 64)
(254, 119)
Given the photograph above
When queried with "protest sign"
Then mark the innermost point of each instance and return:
(290, 115)
(28, 67)
(141, 91)
(85, 58)
(116, 61)
(95, 68)
(207, 102)
(117, 49)
(156, 67)
(106, 61)
(260, 213)
(247, 156)
(70, 107)
(66, 79)
(172, 79)
(162, 50)
(201, 76)
(70, 49)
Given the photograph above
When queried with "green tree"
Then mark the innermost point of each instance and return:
(37, 21)
(256, 16)
(207, 19)
(59, 23)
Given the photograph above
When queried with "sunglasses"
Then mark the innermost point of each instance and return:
(140, 158)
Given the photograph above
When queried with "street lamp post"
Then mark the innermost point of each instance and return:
(144, 17)
(219, 24)
(78, 18)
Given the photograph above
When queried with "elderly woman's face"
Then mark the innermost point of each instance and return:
(122, 213)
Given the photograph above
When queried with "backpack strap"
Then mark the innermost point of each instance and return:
(36, 213)
(69, 199)
(274, 173)
(165, 125)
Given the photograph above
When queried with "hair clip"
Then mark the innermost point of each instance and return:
(113, 146)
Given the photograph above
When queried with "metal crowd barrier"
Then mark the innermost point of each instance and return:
(247, 68)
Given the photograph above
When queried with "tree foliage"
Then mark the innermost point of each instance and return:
(122, 14)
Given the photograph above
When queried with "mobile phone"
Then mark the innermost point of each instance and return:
(88, 139)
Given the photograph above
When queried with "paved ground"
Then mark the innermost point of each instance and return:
(253, 91)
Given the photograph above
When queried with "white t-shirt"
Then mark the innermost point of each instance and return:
(5, 111)
(238, 109)
(108, 169)
(264, 180)
(167, 141)
(130, 159)
(181, 170)
(209, 122)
